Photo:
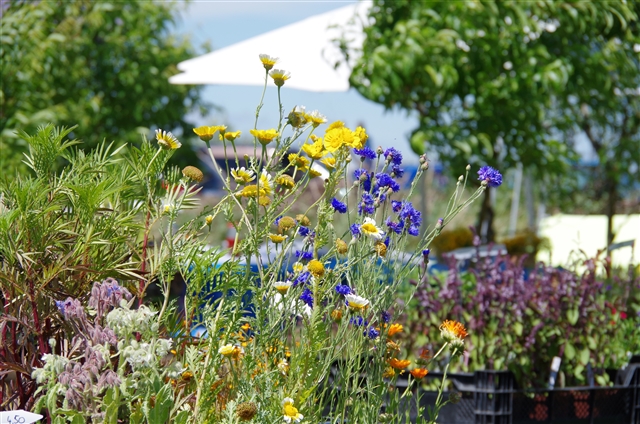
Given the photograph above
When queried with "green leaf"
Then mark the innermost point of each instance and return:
(182, 417)
(111, 405)
(584, 356)
(517, 328)
(572, 316)
(569, 351)
(159, 413)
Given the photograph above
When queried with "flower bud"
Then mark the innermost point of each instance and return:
(424, 166)
(468, 168)
(193, 173)
(423, 158)
(208, 219)
(379, 150)
(341, 246)
(303, 220)
(461, 178)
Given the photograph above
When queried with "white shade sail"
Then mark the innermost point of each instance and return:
(308, 49)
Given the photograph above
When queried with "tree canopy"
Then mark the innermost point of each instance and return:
(503, 83)
(101, 65)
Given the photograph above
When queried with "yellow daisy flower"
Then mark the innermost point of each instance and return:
(252, 191)
(277, 238)
(265, 183)
(264, 200)
(370, 229)
(316, 118)
(333, 125)
(243, 175)
(285, 181)
(264, 136)
(279, 76)
(226, 350)
(282, 286)
(362, 136)
(313, 173)
(167, 141)
(297, 267)
(297, 160)
(316, 268)
(268, 61)
(356, 303)
(314, 150)
(291, 414)
(204, 133)
(232, 135)
(338, 137)
(329, 162)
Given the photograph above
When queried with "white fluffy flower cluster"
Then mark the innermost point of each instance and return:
(125, 321)
(139, 355)
(53, 366)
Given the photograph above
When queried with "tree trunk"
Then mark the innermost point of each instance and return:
(612, 197)
(485, 220)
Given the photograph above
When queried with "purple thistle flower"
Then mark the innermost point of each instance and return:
(492, 176)
(303, 231)
(393, 156)
(355, 230)
(307, 297)
(338, 206)
(343, 289)
(365, 153)
(372, 333)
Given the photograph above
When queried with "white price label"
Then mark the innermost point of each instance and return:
(19, 417)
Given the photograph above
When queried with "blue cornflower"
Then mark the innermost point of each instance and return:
(307, 297)
(355, 230)
(358, 175)
(359, 321)
(372, 333)
(386, 316)
(365, 153)
(492, 176)
(397, 171)
(387, 241)
(414, 230)
(409, 212)
(338, 206)
(303, 231)
(367, 204)
(343, 289)
(396, 205)
(393, 156)
(426, 252)
(385, 180)
(396, 227)
(303, 278)
(304, 255)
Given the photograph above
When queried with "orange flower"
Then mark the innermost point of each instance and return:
(394, 329)
(452, 330)
(419, 373)
(399, 364)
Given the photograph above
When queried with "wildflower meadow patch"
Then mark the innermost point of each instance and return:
(296, 321)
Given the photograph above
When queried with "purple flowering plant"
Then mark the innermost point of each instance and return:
(552, 311)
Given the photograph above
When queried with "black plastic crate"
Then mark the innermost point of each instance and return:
(493, 397)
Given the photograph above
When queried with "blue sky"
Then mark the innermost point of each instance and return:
(223, 23)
